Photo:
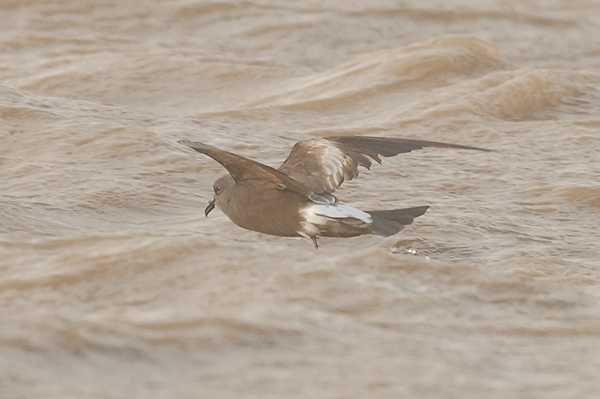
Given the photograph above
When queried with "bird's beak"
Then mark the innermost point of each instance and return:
(209, 207)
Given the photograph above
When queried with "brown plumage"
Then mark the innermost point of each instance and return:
(297, 198)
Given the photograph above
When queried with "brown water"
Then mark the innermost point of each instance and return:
(113, 284)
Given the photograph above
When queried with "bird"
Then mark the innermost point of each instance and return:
(296, 199)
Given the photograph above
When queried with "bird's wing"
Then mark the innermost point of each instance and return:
(244, 169)
(324, 164)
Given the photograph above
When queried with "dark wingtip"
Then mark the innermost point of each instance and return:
(196, 145)
(187, 143)
(389, 147)
(477, 149)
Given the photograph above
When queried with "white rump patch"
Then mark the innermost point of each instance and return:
(316, 213)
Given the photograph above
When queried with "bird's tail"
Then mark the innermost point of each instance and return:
(387, 223)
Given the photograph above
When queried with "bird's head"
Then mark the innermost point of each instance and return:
(221, 189)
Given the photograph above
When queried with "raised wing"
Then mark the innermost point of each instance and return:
(244, 169)
(324, 164)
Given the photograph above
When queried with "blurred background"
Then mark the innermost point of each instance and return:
(113, 284)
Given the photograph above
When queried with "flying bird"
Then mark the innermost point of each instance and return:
(296, 200)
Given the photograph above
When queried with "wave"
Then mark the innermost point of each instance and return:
(430, 64)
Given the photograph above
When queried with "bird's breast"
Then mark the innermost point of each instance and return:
(266, 211)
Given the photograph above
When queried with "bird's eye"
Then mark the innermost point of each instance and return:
(218, 189)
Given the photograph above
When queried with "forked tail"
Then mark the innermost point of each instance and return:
(387, 223)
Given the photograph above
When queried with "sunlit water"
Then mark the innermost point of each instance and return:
(113, 284)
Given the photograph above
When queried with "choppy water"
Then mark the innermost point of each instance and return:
(113, 284)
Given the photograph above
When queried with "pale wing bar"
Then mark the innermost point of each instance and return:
(324, 164)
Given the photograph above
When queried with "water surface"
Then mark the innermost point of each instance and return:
(113, 284)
